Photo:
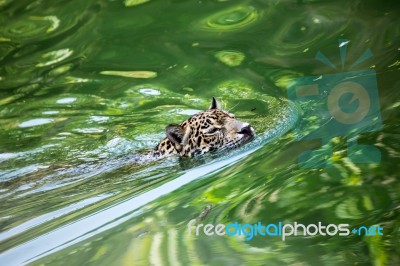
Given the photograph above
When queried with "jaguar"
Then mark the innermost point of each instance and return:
(210, 130)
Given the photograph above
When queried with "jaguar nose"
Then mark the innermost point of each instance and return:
(247, 130)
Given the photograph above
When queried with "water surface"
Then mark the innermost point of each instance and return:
(86, 86)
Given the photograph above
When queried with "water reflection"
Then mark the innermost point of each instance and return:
(36, 122)
(67, 100)
(30, 27)
(55, 57)
(230, 58)
(131, 74)
(77, 111)
(230, 19)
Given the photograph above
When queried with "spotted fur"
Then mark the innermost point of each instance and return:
(206, 131)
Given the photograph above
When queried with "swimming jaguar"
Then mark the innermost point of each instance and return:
(209, 130)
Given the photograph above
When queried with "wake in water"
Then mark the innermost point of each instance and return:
(100, 180)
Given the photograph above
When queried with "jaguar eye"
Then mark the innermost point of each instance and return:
(212, 130)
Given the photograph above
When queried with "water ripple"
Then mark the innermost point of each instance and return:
(230, 19)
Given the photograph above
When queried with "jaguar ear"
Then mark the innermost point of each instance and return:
(174, 133)
(214, 104)
(177, 134)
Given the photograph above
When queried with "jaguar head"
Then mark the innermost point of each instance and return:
(212, 129)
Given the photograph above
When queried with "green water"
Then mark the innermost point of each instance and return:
(88, 86)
